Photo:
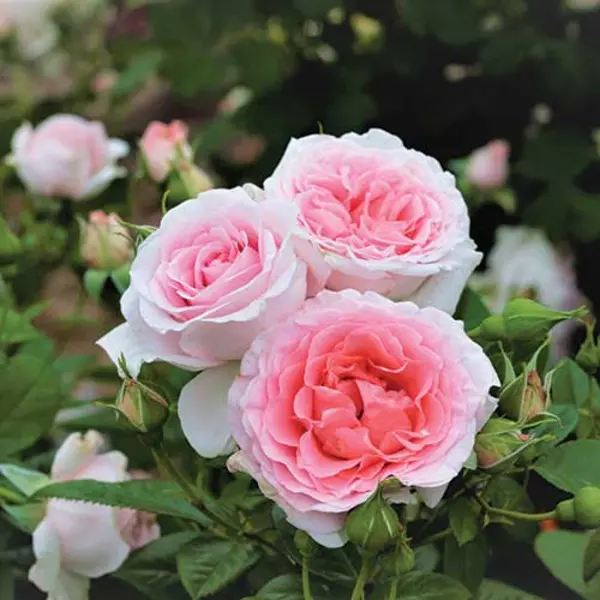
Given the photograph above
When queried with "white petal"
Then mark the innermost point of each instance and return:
(203, 410)
(122, 340)
(70, 586)
(118, 148)
(432, 495)
(330, 540)
(101, 180)
(46, 547)
(443, 290)
(76, 451)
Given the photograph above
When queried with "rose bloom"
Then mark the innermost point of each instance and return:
(77, 541)
(523, 262)
(219, 270)
(384, 217)
(351, 391)
(487, 167)
(106, 243)
(66, 156)
(160, 146)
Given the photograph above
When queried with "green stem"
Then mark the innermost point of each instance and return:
(10, 496)
(393, 590)
(306, 579)
(162, 460)
(359, 588)
(436, 537)
(513, 514)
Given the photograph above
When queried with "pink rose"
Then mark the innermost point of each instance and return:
(160, 146)
(104, 81)
(77, 541)
(353, 390)
(487, 167)
(67, 156)
(384, 218)
(219, 270)
(105, 242)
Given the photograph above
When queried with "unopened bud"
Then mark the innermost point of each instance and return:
(142, 405)
(584, 508)
(304, 542)
(194, 179)
(524, 398)
(498, 442)
(588, 356)
(373, 525)
(106, 244)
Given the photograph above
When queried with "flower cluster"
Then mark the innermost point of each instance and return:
(317, 309)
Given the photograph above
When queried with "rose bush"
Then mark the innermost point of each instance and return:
(66, 156)
(383, 217)
(75, 542)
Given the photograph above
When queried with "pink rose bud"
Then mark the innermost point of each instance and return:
(77, 541)
(66, 156)
(104, 81)
(487, 167)
(163, 146)
(106, 242)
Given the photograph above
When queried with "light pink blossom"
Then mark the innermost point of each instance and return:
(487, 167)
(161, 144)
(351, 391)
(78, 541)
(106, 243)
(66, 156)
(383, 217)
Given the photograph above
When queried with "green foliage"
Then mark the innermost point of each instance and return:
(159, 497)
(464, 521)
(496, 590)
(206, 568)
(431, 586)
(591, 557)
(466, 563)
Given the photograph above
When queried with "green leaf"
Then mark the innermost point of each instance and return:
(30, 396)
(25, 480)
(562, 553)
(159, 497)
(556, 430)
(555, 155)
(466, 563)
(26, 516)
(463, 520)
(426, 558)
(572, 465)
(504, 492)
(7, 582)
(16, 328)
(139, 70)
(496, 590)
(471, 309)
(94, 282)
(206, 568)
(591, 557)
(570, 384)
(121, 277)
(430, 586)
(289, 587)
(151, 570)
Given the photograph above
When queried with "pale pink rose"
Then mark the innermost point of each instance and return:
(161, 144)
(487, 167)
(351, 391)
(106, 243)
(219, 270)
(66, 156)
(383, 217)
(76, 542)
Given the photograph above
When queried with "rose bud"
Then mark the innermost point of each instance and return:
(524, 398)
(142, 405)
(78, 541)
(194, 179)
(66, 156)
(163, 146)
(499, 441)
(374, 524)
(487, 167)
(106, 244)
(584, 508)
